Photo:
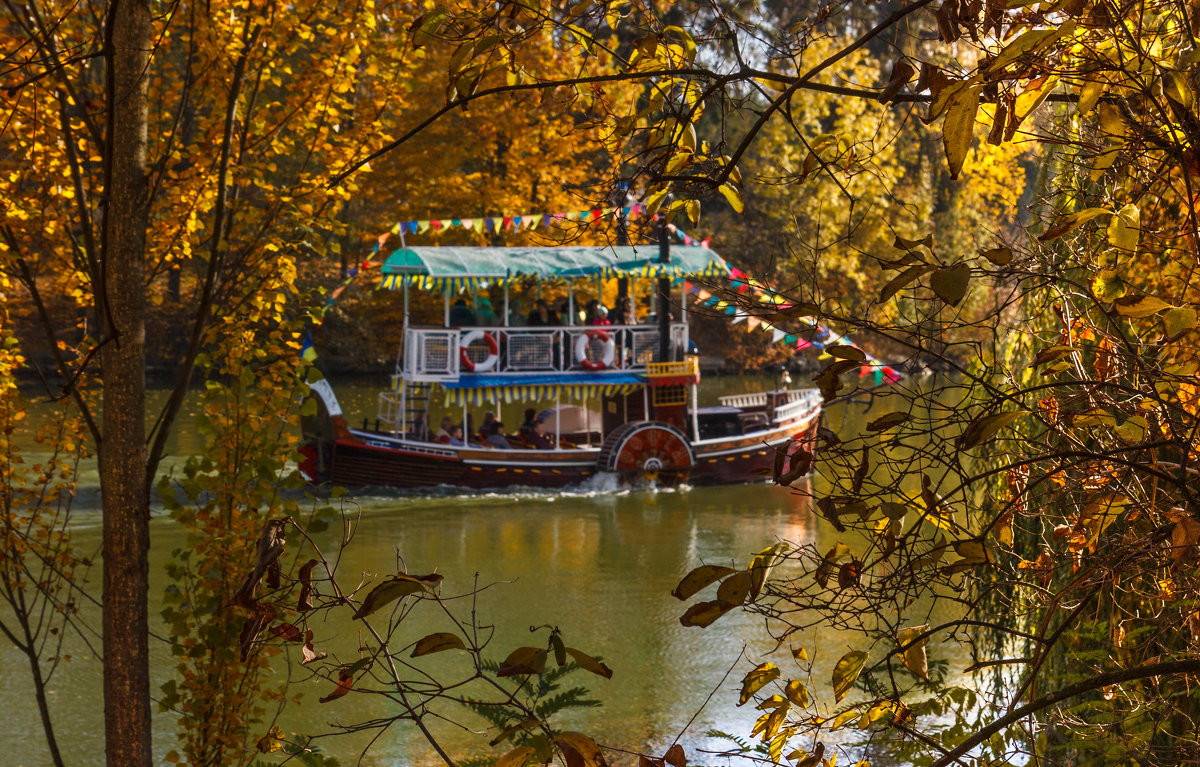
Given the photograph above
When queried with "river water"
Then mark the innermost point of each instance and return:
(597, 562)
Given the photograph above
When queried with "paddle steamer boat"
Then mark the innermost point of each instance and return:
(649, 425)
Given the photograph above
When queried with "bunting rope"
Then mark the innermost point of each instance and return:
(823, 336)
(530, 221)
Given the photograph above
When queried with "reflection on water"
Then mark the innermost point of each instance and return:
(600, 565)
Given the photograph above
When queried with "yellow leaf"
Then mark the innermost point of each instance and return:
(985, 428)
(1178, 319)
(702, 614)
(438, 642)
(733, 197)
(846, 671)
(756, 680)
(699, 579)
(1138, 307)
(1124, 228)
(588, 663)
(912, 653)
(516, 758)
(958, 127)
(394, 588)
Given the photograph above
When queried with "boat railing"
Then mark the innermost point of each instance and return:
(795, 403)
(782, 405)
(751, 400)
(443, 354)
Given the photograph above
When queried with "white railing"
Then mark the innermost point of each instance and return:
(756, 399)
(797, 403)
(784, 405)
(438, 354)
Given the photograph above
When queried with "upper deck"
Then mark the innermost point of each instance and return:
(439, 354)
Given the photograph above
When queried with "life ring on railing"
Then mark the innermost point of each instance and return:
(488, 362)
(606, 357)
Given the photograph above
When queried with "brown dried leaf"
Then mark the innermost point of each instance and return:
(271, 544)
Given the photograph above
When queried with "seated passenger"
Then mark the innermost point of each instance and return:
(456, 437)
(489, 424)
(538, 437)
(444, 433)
(530, 420)
(495, 438)
(461, 314)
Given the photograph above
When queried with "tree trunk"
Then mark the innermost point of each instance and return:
(124, 486)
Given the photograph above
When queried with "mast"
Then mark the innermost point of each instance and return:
(664, 292)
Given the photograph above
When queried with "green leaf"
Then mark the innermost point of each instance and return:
(438, 642)
(950, 284)
(756, 680)
(699, 579)
(986, 427)
(846, 672)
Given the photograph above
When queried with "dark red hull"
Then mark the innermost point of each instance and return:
(368, 459)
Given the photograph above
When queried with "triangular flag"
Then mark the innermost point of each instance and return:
(507, 223)
(436, 225)
(546, 219)
(490, 224)
(468, 223)
(422, 226)
(704, 242)
(456, 222)
(776, 334)
(789, 339)
(753, 322)
(516, 222)
(395, 230)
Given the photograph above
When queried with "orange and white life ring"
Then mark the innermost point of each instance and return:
(488, 362)
(606, 357)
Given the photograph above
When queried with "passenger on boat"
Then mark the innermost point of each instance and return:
(461, 314)
(530, 419)
(494, 436)
(601, 316)
(484, 314)
(538, 437)
(444, 434)
(542, 317)
(516, 313)
(456, 437)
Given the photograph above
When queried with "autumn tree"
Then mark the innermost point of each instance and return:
(195, 143)
(1048, 479)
